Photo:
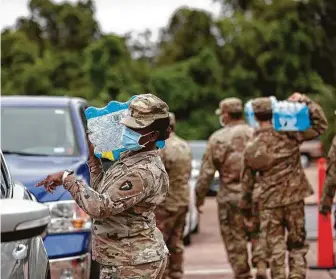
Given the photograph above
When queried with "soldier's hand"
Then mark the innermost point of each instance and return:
(91, 147)
(324, 210)
(199, 204)
(295, 97)
(248, 223)
(51, 182)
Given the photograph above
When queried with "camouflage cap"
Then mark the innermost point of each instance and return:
(172, 119)
(263, 104)
(144, 109)
(230, 105)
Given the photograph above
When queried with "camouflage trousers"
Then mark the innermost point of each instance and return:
(171, 224)
(152, 270)
(274, 224)
(236, 236)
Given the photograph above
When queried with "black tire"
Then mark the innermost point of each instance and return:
(95, 270)
(196, 229)
(305, 160)
(48, 274)
(211, 193)
(187, 240)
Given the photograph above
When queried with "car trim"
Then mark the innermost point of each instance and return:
(69, 258)
(24, 234)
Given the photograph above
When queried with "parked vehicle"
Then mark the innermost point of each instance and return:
(192, 218)
(39, 136)
(198, 149)
(23, 220)
(311, 150)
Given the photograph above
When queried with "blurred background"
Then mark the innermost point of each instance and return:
(190, 53)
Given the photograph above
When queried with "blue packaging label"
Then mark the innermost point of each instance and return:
(287, 116)
(291, 116)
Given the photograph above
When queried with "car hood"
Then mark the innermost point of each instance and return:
(29, 170)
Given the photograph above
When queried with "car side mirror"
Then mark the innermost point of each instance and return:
(22, 219)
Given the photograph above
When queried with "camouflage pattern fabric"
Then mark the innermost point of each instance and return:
(263, 104)
(176, 157)
(172, 119)
(122, 206)
(171, 224)
(144, 110)
(153, 270)
(275, 156)
(224, 153)
(253, 236)
(230, 105)
(274, 223)
(234, 235)
(330, 181)
(272, 159)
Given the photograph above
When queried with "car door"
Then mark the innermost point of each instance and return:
(14, 255)
(24, 259)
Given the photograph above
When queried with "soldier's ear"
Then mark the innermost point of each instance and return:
(153, 137)
(167, 133)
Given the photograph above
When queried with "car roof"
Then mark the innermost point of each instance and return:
(38, 100)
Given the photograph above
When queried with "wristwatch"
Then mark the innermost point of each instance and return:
(66, 174)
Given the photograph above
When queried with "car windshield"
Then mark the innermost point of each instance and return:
(37, 131)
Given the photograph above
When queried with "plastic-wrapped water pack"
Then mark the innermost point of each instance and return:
(287, 116)
(291, 116)
(249, 114)
(105, 131)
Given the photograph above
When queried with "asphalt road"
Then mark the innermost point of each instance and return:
(205, 258)
(312, 221)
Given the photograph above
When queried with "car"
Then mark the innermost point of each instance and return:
(198, 148)
(23, 221)
(192, 219)
(42, 135)
(311, 150)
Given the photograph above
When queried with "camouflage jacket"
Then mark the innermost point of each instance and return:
(176, 157)
(121, 202)
(275, 158)
(330, 181)
(224, 153)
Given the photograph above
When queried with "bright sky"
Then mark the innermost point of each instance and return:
(119, 16)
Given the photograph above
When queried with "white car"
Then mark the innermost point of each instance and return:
(23, 221)
(191, 225)
(192, 219)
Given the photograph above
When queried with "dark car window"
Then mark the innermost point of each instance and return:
(38, 131)
(4, 184)
(82, 114)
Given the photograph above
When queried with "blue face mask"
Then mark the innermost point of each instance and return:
(130, 139)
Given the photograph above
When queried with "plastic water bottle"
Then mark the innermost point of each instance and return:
(287, 116)
(291, 116)
(249, 114)
(105, 131)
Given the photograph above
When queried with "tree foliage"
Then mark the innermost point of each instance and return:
(256, 48)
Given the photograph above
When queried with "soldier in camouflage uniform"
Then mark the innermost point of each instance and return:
(224, 153)
(275, 158)
(330, 182)
(121, 201)
(171, 214)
